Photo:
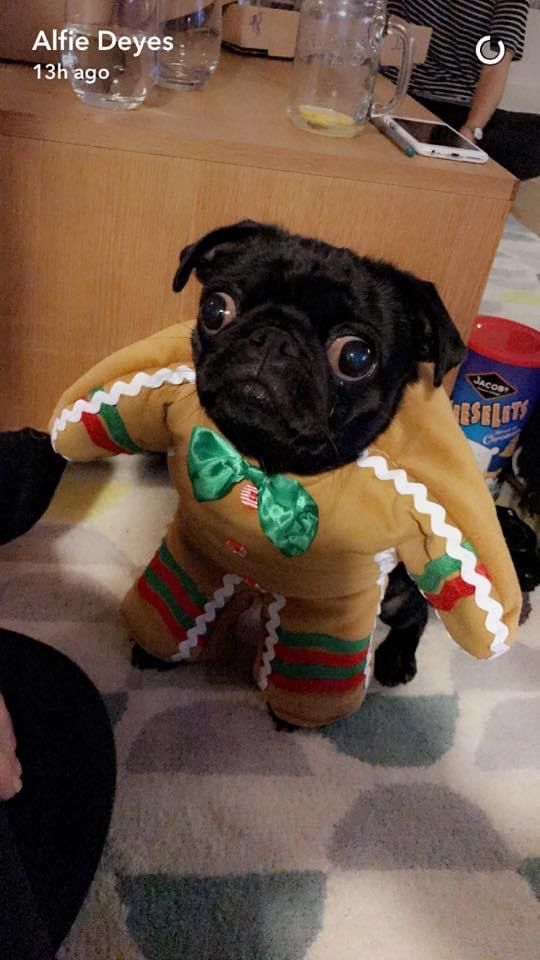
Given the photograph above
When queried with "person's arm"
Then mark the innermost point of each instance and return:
(121, 404)
(508, 26)
(487, 96)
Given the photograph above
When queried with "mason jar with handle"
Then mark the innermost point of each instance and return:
(336, 62)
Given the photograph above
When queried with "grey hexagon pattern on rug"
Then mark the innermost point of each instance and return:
(74, 597)
(216, 736)
(520, 670)
(511, 738)
(420, 825)
(274, 916)
(530, 870)
(116, 704)
(397, 731)
(41, 545)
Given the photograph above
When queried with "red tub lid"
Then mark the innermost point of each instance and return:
(506, 341)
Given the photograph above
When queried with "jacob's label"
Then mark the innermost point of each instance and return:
(491, 402)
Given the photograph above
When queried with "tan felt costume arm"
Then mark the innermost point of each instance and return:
(120, 406)
(450, 539)
(479, 614)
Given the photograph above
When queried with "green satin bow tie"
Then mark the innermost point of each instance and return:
(288, 515)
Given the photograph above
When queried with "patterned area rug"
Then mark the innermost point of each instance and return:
(410, 830)
(513, 289)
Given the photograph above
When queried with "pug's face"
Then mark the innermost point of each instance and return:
(303, 350)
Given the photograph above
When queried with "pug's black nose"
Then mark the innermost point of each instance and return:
(276, 341)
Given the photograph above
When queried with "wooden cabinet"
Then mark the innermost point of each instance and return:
(95, 207)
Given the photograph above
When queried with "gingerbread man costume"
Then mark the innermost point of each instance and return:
(319, 547)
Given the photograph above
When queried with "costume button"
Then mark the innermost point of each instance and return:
(237, 548)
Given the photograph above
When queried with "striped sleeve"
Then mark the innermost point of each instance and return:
(396, 8)
(474, 590)
(510, 24)
(127, 415)
(453, 579)
(120, 405)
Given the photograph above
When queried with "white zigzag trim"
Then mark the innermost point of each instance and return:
(110, 398)
(368, 670)
(386, 561)
(272, 624)
(219, 599)
(482, 587)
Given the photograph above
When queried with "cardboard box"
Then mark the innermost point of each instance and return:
(271, 31)
(261, 30)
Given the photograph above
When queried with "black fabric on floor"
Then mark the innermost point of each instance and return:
(58, 824)
(30, 471)
(22, 933)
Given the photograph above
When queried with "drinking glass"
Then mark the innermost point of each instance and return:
(336, 63)
(194, 27)
(117, 68)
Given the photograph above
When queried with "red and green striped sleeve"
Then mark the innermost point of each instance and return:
(459, 587)
(120, 405)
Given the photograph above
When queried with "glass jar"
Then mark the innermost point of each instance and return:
(110, 61)
(336, 64)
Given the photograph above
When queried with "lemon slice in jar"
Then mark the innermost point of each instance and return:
(324, 117)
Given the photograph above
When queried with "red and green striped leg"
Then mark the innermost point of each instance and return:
(314, 665)
(167, 609)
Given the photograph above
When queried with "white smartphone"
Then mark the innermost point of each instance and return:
(433, 138)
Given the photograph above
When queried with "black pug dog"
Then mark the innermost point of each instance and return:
(303, 352)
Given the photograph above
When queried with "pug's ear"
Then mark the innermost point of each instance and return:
(437, 337)
(203, 251)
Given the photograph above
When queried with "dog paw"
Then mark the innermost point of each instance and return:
(145, 661)
(282, 726)
(393, 667)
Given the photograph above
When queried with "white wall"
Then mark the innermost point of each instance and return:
(523, 89)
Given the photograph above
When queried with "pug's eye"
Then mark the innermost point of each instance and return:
(217, 311)
(351, 358)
